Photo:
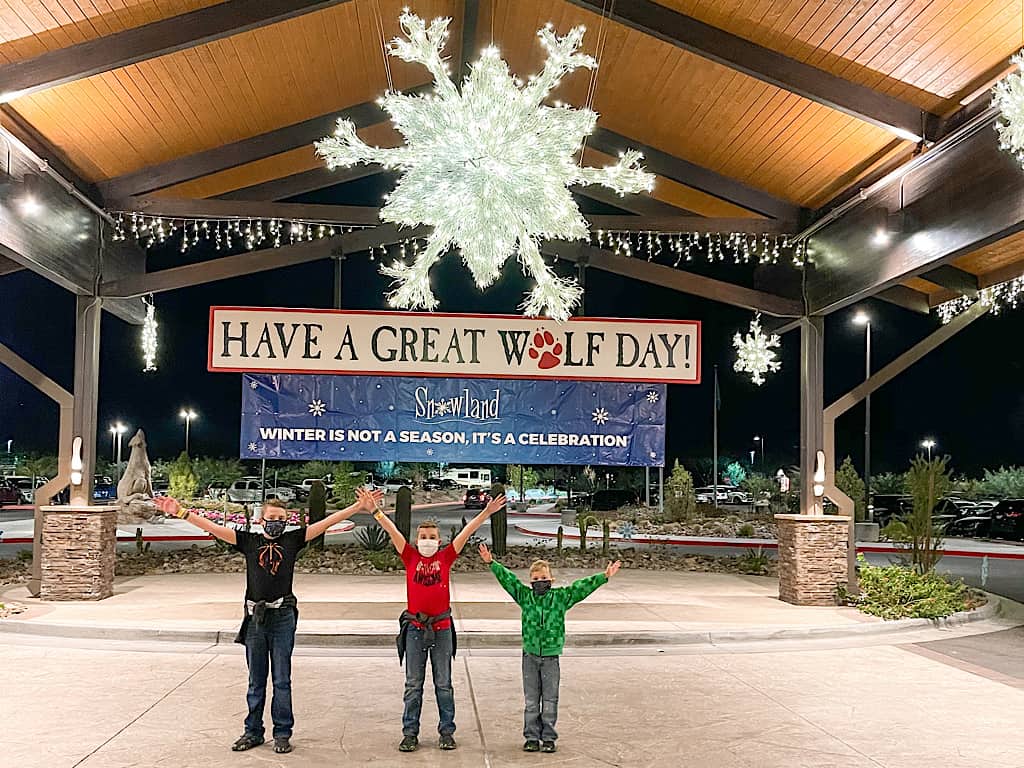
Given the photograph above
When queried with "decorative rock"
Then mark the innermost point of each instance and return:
(812, 558)
(78, 553)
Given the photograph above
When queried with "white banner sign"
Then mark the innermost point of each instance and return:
(260, 340)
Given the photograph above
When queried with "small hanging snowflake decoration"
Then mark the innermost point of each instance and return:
(1008, 96)
(488, 167)
(754, 352)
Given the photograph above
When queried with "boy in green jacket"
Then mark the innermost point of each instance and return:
(543, 639)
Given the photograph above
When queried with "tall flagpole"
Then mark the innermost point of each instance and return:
(714, 458)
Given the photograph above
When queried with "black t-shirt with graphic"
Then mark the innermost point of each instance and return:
(269, 563)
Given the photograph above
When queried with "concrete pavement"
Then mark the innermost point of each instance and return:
(855, 707)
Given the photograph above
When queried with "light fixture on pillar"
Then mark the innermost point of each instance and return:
(819, 483)
(76, 470)
(149, 339)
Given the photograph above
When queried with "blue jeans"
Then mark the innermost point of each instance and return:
(268, 647)
(541, 676)
(415, 675)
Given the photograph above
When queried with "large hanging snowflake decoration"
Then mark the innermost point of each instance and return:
(488, 167)
(754, 352)
(1008, 96)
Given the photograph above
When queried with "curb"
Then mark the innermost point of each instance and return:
(469, 639)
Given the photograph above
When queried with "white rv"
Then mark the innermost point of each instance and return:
(469, 477)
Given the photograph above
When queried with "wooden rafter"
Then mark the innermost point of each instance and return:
(149, 41)
(765, 64)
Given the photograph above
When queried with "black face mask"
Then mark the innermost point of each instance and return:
(541, 587)
(274, 528)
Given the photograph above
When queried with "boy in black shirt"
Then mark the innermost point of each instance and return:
(268, 629)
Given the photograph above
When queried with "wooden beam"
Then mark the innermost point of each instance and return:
(176, 33)
(688, 224)
(698, 177)
(953, 279)
(676, 279)
(301, 183)
(256, 261)
(1002, 275)
(8, 267)
(470, 17)
(182, 208)
(764, 64)
(238, 153)
(905, 297)
(640, 204)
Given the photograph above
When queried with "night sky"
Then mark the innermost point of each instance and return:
(967, 394)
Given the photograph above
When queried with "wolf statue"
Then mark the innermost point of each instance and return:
(135, 490)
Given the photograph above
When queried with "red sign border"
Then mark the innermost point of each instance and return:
(397, 313)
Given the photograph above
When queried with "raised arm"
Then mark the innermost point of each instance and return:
(582, 588)
(508, 580)
(365, 502)
(169, 506)
(388, 525)
(471, 527)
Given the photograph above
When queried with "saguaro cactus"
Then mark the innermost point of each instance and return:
(499, 523)
(317, 510)
(559, 539)
(584, 521)
(606, 533)
(403, 511)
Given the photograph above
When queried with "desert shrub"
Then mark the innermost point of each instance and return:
(384, 560)
(745, 531)
(896, 592)
(182, 480)
(754, 561)
(680, 500)
(850, 483)
(373, 538)
(889, 483)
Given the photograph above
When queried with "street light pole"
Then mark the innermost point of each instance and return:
(760, 439)
(188, 415)
(928, 444)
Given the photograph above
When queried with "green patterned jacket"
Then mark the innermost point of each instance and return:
(544, 617)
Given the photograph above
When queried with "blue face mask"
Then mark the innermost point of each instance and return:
(274, 528)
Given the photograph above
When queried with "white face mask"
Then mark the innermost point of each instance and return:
(427, 547)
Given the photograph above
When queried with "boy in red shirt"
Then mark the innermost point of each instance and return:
(426, 625)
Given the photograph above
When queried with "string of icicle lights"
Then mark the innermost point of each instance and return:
(673, 248)
(149, 231)
(997, 297)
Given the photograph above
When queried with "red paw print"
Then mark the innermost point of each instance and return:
(546, 350)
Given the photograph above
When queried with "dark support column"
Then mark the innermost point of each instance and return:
(812, 344)
(339, 264)
(87, 369)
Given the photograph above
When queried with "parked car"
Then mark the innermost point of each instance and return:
(392, 484)
(1004, 521)
(9, 493)
(307, 484)
(439, 484)
(949, 509)
(161, 488)
(707, 495)
(103, 488)
(26, 487)
(886, 507)
(475, 498)
(250, 490)
(608, 499)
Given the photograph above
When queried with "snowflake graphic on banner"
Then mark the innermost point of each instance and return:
(442, 407)
(754, 352)
(430, 451)
(253, 385)
(488, 167)
(252, 447)
(317, 408)
(599, 416)
(653, 397)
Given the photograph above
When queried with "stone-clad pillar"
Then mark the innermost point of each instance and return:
(79, 546)
(812, 558)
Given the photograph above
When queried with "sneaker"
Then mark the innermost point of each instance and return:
(548, 746)
(282, 745)
(246, 741)
(531, 745)
(409, 744)
(447, 741)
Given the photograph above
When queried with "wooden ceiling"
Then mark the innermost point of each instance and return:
(727, 136)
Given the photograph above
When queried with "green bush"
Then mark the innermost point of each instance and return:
(928, 481)
(850, 483)
(183, 480)
(895, 592)
(755, 562)
(1004, 483)
(680, 500)
(384, 560)
(745, 531)
(889, 483)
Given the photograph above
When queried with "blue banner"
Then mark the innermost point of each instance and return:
(487, 421)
